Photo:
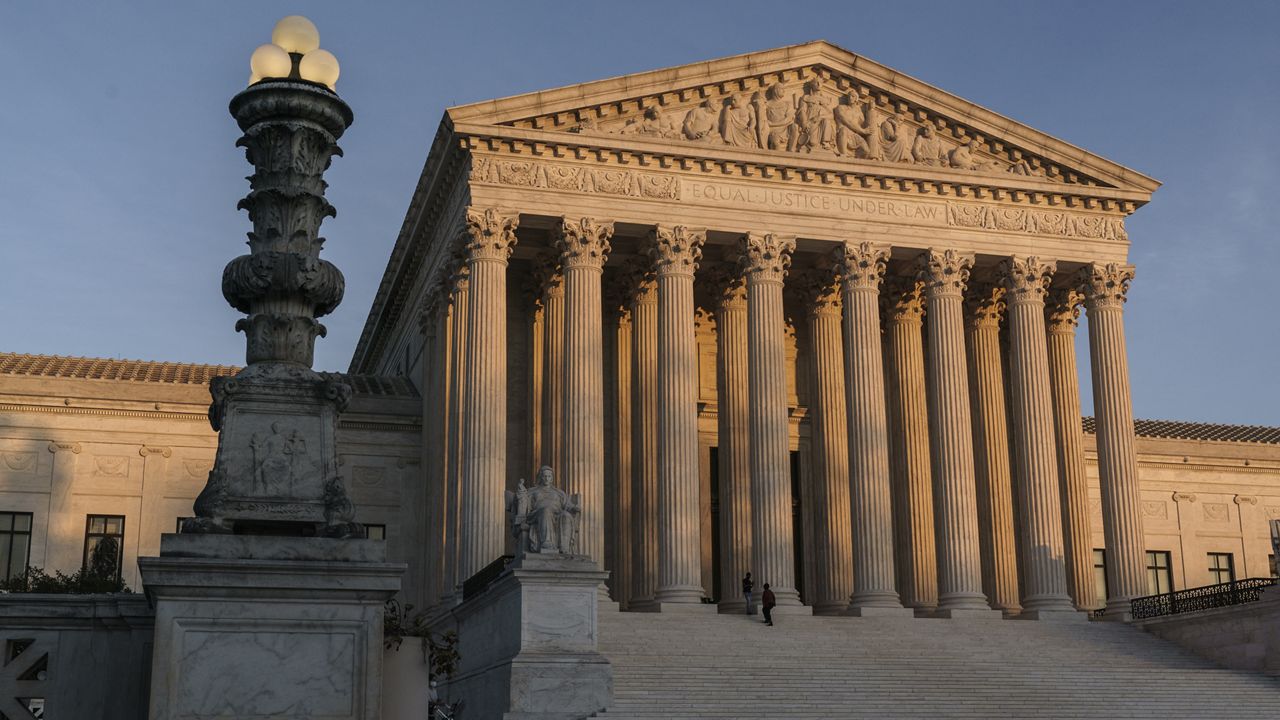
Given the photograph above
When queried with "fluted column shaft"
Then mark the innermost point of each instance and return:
(1061, 315)
(490, 239)
(734, 436)
(833, 549)
(451, 581)
(584, 247)
(1026, 281)
(644, 443)
(910, 472)
(766, 259)
(945, 274)
(552, 421)
(675, 252)
(997, 538)
(1105, 289)
(863, 268)
(622, 569)
(434, 434)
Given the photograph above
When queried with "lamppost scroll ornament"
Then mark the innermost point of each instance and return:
(276, 468)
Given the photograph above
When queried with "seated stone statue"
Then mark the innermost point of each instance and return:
(544, 518)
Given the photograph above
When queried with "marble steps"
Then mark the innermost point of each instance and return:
(730, 666)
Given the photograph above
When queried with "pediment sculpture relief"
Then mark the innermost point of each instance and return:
(815, 119)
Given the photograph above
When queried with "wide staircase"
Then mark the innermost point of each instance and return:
(674, 666)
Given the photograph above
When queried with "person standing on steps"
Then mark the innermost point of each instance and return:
(767, 602)
(747, 586)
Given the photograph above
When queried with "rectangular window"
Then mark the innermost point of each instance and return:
(108, 530)
(1159, 576)
(1100, 574)
(15, 544)
(1222, 567)
(376, 532)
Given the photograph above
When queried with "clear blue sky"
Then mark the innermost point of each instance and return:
(118, 175)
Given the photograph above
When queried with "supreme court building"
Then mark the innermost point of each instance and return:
(791, 313)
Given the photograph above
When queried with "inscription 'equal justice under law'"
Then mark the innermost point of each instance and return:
(794, 199)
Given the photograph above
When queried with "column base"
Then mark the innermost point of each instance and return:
(1117, 611)
(284, 627)
(1067, 616)
(878, 611)
(606, 602)
(684, 595)
(962, 614)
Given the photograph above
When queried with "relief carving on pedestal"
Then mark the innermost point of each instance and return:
(281, 465)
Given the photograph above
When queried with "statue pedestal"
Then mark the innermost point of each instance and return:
(527, 644)
(255, 626)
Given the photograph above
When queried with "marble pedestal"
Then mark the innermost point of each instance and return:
(527, 644)
(267, 627)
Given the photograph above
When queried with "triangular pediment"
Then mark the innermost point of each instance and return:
(815, 100)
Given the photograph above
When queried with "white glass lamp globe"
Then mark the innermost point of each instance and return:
(270, 61)
(319, 66)
(296, 34)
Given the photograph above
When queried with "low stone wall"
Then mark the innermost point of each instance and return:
(1240, 637)
(75, 652)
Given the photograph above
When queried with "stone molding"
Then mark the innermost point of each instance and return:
(583, 242)
(1105, 285)
(944, 272)
(862, 265)
(490, 234)
(146, 450)
(1026, 278)
(676, 250)
(74, 447)
(766, 257)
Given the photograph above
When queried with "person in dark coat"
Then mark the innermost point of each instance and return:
(747, 587)
(767, 603)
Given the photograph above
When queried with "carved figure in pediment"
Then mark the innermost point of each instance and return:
(967, 157)
(652, 123)
(897, 136)
(813, 121)
(1022, 167)
(700, 122)
(775, 119)
(852, 133)
(737, 123)
(927, 148)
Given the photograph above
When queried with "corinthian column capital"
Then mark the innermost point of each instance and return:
(490, 234)
(676, 250)
(944, 272)
(766, 257)
(1026, 279)
(583, 242)
(819, 291)
(902, 299)
(1062, 309)
(984, 305)
(862, 265)
(725, 286)
(1105, 285)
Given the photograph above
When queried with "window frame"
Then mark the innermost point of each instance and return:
(12, 532)
(1153, 568)
(1100, 564)
(1215, 571)
(89, 535)
(381, 527)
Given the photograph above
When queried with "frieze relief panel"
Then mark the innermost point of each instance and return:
(493, 170)
(20, 463)
(1216, 512)
(810, 111)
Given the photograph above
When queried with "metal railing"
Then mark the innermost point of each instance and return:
(476, 584)
(1201, 598)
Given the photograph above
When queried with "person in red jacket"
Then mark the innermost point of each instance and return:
(767, 602)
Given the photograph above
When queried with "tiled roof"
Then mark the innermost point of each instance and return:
(110, 369)
(1179, 430)
(60, 366)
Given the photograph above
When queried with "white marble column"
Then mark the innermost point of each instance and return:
(829, 495)
(584, 247)
(908, 416)
(644, 440)
(733, 429)
(766, 258)
(874, 590)
(551, 425)
(621, 571)
(152, 521)
(1026, 281)
(458, 327)
(1062, 312)
(491, 236)
(435, 369)
(675, 252)
(64, 522)
(945, 274)
(984, 306)
(1105, 288)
